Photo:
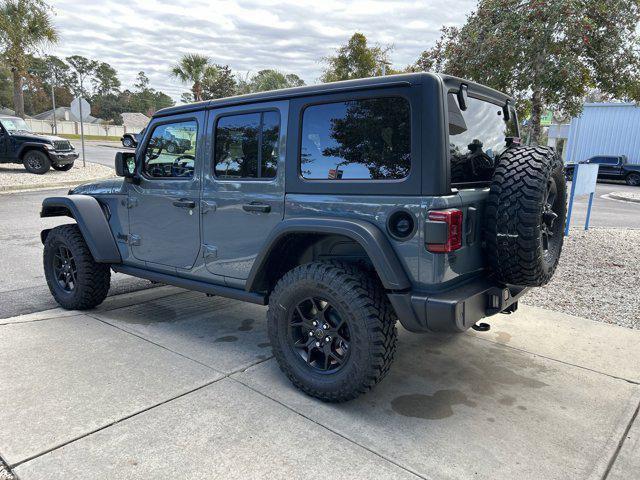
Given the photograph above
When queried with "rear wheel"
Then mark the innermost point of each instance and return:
(127, 142)
(75, 279)
(37, 162)
(633, 179)
(332, 329)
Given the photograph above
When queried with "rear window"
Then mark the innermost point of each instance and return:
(367, 139)
(604, 160)
(477, 136)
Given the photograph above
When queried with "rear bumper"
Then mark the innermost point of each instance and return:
(454, 310)
(63, 158)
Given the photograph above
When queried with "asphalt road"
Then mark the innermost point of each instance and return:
(103, 153)
(22, 285)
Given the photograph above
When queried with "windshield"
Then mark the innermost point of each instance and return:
(477, 136)
(15, 124)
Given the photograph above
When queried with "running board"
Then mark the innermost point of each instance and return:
(188, 284)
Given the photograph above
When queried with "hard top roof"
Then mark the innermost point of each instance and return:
(403, 79)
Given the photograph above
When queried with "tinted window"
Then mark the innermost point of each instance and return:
(604, 160)
(476, 138)
(171, 150)
(358, 139)
(246, 145)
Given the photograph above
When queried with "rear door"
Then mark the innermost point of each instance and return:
(243, 190)
(164, 207)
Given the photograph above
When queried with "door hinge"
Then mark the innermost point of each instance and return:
(210, 252)
(206, 207)
(134, 240)
(130, 202)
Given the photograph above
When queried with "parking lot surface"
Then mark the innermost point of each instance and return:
(171, 384)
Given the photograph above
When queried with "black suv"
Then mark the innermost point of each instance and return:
(36, 152)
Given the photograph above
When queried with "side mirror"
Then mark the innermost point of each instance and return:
(463, 95)
(126, 164)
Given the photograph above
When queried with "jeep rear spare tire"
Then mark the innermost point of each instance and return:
(332, 330)
(36, 162)
(525, 216)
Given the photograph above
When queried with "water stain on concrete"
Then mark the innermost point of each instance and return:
(247, 325)
(503, 337)
(491, 419)
(264, 345)
(430, 407)
(521, 407)
(227, 339)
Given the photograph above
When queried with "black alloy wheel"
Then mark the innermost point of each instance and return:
(319, 335)
(64, 268)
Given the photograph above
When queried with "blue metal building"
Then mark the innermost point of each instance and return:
(604, 129)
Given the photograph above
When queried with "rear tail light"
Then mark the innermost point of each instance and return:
(453, 219)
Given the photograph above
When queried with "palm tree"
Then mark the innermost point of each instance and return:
(25, 25)
(192, 68)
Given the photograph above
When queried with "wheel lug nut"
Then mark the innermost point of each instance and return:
(328, 339)
(325, 326)
(311, 334)
(315, 324)
(317, 344)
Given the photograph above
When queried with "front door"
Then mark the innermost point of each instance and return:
(243, 193)
(164, 208)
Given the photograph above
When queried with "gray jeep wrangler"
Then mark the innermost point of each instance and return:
(345, 207)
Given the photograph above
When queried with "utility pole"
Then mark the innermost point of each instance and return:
(53, 100)
(84, 162)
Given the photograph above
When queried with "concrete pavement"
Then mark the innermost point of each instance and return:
(165, 384)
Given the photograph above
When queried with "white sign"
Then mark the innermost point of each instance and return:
(585, 178)
(75, 108)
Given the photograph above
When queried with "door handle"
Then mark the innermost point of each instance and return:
(256, 207)
(184, 203)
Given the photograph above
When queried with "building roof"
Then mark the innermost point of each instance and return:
(64, 113)
(134, 120)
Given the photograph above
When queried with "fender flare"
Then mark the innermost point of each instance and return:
(30, 145)
(89, 216)
(374, 242)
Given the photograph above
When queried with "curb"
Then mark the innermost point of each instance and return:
(624, 198)
(49, 186)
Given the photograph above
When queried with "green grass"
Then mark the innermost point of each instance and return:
(72, 136)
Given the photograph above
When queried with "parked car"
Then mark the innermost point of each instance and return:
(355, 225)
(131, 140)
(612, 167)
(38, 153)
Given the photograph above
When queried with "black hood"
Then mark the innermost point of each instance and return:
(35, 137)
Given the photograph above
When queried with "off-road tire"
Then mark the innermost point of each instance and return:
(633, 179)
(93, 278)
(37, 162)
(360, 298)
(62, 168)
(515, 212)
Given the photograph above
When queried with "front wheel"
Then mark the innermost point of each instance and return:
(37, 162)
(332, 329)
(633, 179)
(127, 142)
(75, 279)
(62, 168)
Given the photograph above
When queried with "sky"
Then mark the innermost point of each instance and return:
(291, 36)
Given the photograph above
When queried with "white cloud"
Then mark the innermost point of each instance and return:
(249, 35)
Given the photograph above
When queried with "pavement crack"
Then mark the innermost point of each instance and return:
(614, 457)
(153, 343)
(633, 382)
(115, 422)
(377, 454)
